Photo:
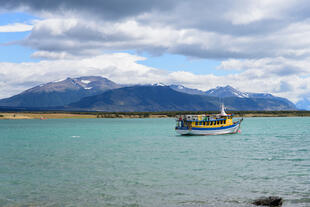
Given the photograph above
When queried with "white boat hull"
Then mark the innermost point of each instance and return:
(210, 131)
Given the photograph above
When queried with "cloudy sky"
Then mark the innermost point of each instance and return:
(254, 46)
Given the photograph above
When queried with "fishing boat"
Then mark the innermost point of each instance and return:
(207, 124)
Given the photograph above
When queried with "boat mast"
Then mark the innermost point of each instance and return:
(223, 113)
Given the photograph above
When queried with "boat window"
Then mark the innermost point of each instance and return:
(225, 121)
(196, 123)
(211, 123)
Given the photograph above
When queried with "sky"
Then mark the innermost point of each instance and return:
(253, 46)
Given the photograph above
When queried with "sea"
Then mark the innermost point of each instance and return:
(143, 162)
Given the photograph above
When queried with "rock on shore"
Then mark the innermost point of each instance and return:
(268, 201)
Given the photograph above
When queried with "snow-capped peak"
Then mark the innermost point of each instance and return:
(57, 81)
(226, 91)
(85, 81)
(158, 84)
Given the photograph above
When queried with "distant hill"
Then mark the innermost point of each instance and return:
(60, 93)
(226, 91)
(257, 104)
(98, 93)
(264, 98)
(184, 89)
(163, 98)
(303, 104)
(146, 98)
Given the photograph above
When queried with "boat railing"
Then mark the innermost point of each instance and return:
(192, 118)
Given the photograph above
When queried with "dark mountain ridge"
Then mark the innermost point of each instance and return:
(98, 93)
(60, 93)
(145, 98)
(163, 98)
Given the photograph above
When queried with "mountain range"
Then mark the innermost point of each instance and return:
(60, 93)
(93, 93)
(304, 103)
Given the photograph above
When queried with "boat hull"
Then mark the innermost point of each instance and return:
(209, 131)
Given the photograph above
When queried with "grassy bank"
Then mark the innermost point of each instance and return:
(44, 115)
(81, 115)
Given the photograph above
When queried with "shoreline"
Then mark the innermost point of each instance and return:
(95, 115)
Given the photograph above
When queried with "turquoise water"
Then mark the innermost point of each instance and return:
(142, 162)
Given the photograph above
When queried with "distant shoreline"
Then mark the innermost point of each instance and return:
(93, 115)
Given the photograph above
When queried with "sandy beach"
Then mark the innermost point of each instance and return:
(45, 116)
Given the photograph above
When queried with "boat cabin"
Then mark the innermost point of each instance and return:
(204, 121)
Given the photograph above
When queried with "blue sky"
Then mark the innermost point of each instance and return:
(258, 46)
(10, 50)
(13, 17)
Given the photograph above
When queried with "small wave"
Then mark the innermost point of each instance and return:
(192, 202)
(301, 200)
(75, 136)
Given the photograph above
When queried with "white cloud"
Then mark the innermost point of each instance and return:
(51, 55)
(124, 68)
(265, 42)
(281, 76)
(253, 11)
(16, 27)
(77, 37)
(120, 67)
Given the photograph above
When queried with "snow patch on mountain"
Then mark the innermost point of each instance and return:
(226, 91)
(57, 81)
(85, 81)
(158, 84)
